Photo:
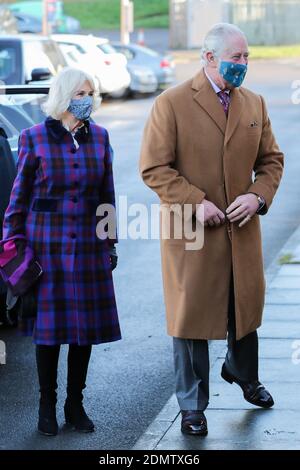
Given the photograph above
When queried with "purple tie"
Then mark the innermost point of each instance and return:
(225, 100)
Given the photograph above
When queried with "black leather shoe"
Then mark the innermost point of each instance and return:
(47, 424)
(254, 392)
(77, 418)
(193, 422)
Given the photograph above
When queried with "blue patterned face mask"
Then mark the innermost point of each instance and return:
(233, 73)
(81, 108)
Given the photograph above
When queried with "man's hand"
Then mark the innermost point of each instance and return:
(212, 215)
(243, 206)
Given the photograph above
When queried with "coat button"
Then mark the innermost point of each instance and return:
(73, 235)
(75, 183)
(75, 165)
(74, 199)
(73, 150)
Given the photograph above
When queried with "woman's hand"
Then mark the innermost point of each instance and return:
(113, 257)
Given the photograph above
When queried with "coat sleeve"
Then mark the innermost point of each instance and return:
(158, 156)
(15, 215)
(268, 167)
(107, 194)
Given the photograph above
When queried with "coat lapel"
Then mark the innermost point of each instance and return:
(235, 111)
(206, 97)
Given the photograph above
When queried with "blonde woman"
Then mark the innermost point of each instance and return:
(64, 173)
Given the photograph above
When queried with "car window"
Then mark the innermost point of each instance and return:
(146, 50)
(18, 112)
(107, 48)
(127, 52)
(10, 59)
(10, 130)
(16, 116)
(77, 46)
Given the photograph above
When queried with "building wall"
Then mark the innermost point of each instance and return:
(267, 22)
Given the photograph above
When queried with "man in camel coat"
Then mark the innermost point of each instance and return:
(208, 142)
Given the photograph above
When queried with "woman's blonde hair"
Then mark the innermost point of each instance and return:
(62, 89)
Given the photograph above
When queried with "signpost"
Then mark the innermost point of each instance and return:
(127, 22)
(49, 15)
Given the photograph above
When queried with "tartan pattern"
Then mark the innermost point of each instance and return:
(76, 300)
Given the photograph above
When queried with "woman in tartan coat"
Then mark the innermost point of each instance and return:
(64, 174)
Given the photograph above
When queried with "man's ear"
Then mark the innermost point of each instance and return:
(210, 57)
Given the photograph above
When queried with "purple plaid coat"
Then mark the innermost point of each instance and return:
(53, 202)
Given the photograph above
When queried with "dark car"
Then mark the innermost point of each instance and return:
(19, 109)
(26, 58)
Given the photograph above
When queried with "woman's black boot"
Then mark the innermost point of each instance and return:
(47, 359)
(75, 415)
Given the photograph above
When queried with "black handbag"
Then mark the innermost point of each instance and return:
(23, 307)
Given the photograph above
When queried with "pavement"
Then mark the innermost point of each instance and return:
(233, 423)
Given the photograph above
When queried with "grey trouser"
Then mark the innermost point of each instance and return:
(191, 361)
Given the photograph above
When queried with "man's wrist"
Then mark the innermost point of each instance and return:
(261, 202)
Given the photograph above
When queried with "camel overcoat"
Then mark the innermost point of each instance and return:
(190, 150)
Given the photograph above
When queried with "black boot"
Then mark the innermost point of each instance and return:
(75, 415)
(47, 359)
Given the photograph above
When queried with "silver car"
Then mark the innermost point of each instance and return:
(162, 66)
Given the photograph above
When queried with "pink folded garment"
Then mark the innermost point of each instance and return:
(18, 265)
(9, 252)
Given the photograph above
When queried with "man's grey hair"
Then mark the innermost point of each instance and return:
(217, 38)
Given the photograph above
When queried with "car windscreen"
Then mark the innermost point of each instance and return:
(18, 112)
(10, 62)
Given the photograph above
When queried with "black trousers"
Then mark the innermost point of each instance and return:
(47, 362)
(191, 361)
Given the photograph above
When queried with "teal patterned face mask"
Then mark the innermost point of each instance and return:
(233, 73)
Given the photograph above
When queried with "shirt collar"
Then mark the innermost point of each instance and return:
(213, 84)
(65, 125)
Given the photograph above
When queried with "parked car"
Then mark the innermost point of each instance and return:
(29, 58)
(19, 109)
(75, 59)
(59, 22)
(143, 79)
(110, 70)
(28, 23)
(161, 65)
(7, 176)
